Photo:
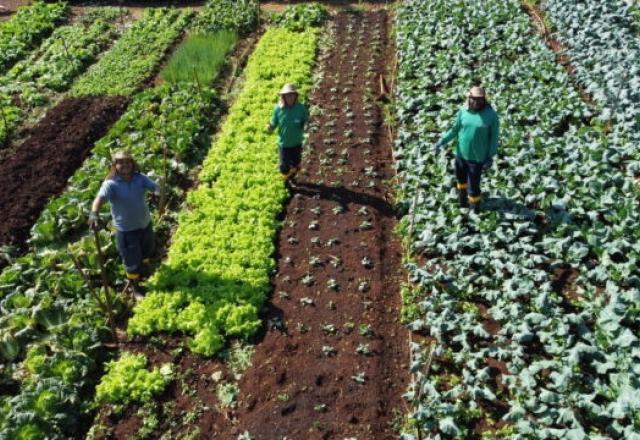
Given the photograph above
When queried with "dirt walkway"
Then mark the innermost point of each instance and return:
(333, 363)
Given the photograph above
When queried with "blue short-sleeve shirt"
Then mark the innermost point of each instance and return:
(129, 209)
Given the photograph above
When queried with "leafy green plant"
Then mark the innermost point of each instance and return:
(227, 15)
(300, 17)
(127, 380)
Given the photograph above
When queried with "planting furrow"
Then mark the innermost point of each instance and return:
(32, 83)
(528, 308)
(332, 363)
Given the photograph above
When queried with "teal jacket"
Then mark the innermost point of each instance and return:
(290, 122)
(477, 133)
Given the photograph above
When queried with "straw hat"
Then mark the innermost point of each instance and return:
(288, 89)
(121, 155)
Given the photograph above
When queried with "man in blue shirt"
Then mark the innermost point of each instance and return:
(124, 188)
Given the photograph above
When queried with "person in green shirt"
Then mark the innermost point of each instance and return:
(289, 117)
(477, 128)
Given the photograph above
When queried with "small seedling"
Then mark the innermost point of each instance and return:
(337, 210)
(283, 295)
(302, 328)
(365, 225)
(331, 305)
(363, 210)
(314, 225)
(365, 330)
(363, 349)
(317, 210)
(366, 262)
(293, 240)
(328, 350)
(329, 329)
(363, 286)
(333, 242)
(320, 408)
(308, 280)
(306, 301)
(315, 261)
(332, 284)
(335, 261)
(315, 240)
(360, 377)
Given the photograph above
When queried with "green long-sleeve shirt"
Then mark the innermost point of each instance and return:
(477, 133)
(290, 123)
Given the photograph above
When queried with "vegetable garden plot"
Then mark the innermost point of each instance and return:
(331, 362)
(56, 355)
(23, 31)
(41, 166)
(532, 305)
(135, 55)
(50, 70)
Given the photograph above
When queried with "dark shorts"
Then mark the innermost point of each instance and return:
(290, 157)
(134, 246)
(469, 173)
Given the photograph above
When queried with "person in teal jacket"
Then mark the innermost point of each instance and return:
(477, 129)
(289, 117)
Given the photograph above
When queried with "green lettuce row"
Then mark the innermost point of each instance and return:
(559, 200)
(52, 68)
(128, 380)
(135, 55)
(22, 32)
(216, 276)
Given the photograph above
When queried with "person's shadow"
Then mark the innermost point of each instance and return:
(346, 196)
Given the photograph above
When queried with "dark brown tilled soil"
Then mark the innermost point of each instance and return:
(40, 167)
(338, 365)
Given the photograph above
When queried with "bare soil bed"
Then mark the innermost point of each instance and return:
(40, 167)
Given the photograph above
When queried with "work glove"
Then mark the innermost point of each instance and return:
(94, 220)
(487, 164)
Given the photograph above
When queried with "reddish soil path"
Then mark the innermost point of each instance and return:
(333, 363)
(41, 166)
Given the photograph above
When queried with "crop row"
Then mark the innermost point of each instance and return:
(216, 276)
(514, 300)
(54, 65)
(22, 32)
(135, 55)
(602, 45)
